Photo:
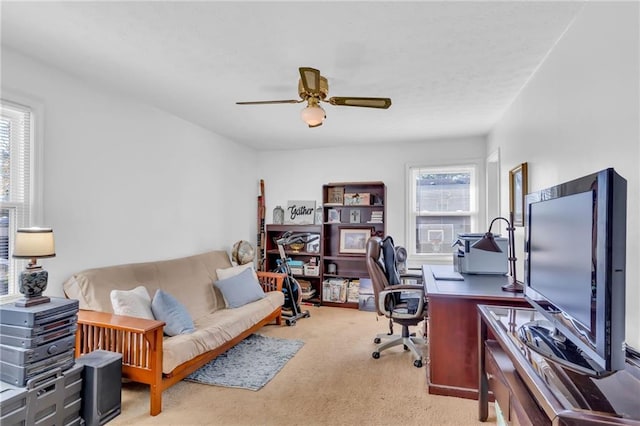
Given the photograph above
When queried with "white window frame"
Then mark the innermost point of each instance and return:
(34, 144)
(476, 168)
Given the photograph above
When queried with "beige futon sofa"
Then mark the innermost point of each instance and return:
(148, 356)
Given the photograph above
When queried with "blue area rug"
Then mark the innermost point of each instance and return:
(248, 365)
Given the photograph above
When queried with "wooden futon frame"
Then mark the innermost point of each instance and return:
(140, 343)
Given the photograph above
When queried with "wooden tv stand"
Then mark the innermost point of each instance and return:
(531, 390)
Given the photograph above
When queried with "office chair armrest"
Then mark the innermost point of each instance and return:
(408, 307)
(405, 287)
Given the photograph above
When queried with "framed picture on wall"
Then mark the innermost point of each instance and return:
(517, 190)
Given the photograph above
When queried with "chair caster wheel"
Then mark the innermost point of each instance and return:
(377, 340)
(417, 363)
(406, 348)
(376, 355)
(291, 322)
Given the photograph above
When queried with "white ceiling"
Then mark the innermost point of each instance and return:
(450, 68)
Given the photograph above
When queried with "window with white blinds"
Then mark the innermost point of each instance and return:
(442, 203)
(15, 186)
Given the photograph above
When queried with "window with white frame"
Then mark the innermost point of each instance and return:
(15, 186)
(442, 203)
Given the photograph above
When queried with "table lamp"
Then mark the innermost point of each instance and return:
(488, 243)
(33, 243)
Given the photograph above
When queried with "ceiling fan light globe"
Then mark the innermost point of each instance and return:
(313, 115)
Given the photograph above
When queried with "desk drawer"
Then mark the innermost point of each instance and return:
(497, 382)
(514, 399)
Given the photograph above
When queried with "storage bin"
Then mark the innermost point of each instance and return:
(311, 270)
(296, 270)
(334, 290)
(353, 291)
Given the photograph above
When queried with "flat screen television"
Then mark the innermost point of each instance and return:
(575, 249)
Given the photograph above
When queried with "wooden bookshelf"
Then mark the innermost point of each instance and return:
(352, 212)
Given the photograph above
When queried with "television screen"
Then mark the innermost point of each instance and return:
(575, 254)
(561, 254)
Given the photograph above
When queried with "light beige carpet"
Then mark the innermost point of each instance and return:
(332, 380)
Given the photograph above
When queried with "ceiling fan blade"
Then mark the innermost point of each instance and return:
(289, 101)
(383, 103)
(310, 78)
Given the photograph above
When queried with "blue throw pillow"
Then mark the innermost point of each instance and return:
(167, 308)
(240, 289)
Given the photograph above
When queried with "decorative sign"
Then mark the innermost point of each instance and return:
(300, 212)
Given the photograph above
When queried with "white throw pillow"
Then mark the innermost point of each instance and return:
(223, 274)
(133, 303)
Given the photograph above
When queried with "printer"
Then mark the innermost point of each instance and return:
(469, 260)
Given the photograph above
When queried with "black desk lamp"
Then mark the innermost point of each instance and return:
(488, 243)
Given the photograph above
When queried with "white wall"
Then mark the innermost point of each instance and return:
(300, 174)
(579, 114)
(125, 182)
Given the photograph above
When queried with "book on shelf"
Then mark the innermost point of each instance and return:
(376, 217)
(308, 294)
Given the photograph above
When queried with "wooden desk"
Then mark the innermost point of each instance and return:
(531, 390)
(453, 329)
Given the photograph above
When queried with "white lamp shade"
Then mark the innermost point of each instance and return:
(313, 115)
(33, 243)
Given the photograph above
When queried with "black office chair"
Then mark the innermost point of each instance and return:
(403, 304)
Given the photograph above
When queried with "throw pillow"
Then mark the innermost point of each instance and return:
(167, 308)
(240, 289)
(225, 273)
(133, 303)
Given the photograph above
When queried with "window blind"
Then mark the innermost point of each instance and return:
(442, 203)
(15, 185)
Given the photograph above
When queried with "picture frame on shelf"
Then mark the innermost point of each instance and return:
(354, 240)
(313, 246)
(354, 216)
(357, 199)
(518, 187)
(333, 215)
(335, 195)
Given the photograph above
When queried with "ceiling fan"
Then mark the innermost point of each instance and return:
(313, 88)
